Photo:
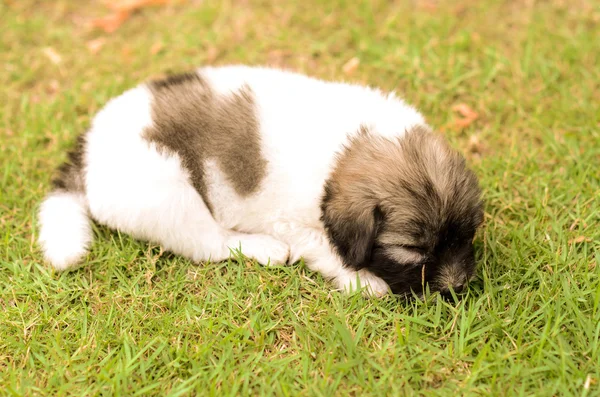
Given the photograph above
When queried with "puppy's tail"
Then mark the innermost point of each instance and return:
(65, 225)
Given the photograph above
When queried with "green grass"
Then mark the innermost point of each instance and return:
(136, 321)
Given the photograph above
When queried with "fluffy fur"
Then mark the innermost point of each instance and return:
(280, 165)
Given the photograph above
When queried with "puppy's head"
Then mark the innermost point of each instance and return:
(406, 209)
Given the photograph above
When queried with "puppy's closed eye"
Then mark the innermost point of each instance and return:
(406, 254)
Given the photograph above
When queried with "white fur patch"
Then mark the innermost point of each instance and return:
(370, 284)
(65, 231)
(265, 249)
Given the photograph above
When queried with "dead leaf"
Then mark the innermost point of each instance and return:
(122, 10)
(579, 239)
(52, 55)
(132, 5)
(351, 66)
(94, 46)
(111, 23)
(465, 110)
(156, 47)
(468, 115)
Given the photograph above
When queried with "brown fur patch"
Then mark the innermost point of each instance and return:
(190, 119)
(70, 174)
(407, 201)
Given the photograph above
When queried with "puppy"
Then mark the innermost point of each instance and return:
(279, 165)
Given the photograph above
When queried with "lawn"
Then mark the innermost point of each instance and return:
(136, 321)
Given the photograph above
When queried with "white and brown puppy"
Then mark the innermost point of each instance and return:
(279, 164)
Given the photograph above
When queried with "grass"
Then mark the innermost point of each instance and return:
(136, 321)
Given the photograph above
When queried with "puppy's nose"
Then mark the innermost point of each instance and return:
(446, 294)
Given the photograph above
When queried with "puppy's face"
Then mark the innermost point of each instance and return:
(423, 247)
(406, 210)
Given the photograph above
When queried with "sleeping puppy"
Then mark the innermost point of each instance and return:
(279, 165)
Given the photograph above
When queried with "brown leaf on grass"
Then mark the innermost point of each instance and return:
(52, 55)
(132, 5)
(351, 66)
(122, 10)
(111, 23)
(156, 47)
(465, 110)
(579, 239)
(94, 46)
(468, 115)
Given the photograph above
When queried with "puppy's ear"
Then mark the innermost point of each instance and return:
(352, 231)
(349, 208)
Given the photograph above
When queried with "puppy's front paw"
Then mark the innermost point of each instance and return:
(370, 284)
(264, 249)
